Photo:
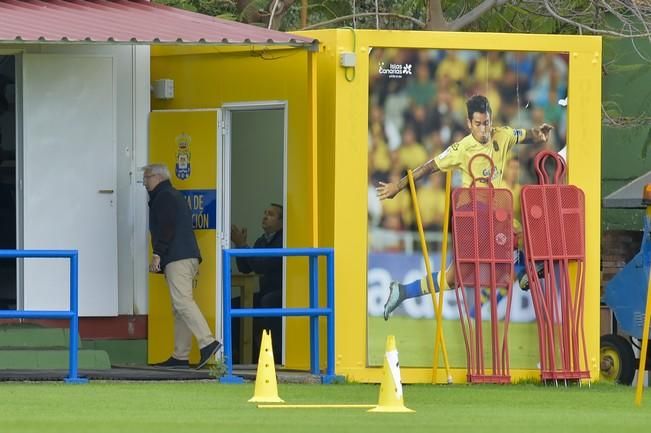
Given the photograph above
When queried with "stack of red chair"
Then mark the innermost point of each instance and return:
(483, 251)
(553, 218)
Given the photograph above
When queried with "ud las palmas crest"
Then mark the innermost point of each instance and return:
(183, 156)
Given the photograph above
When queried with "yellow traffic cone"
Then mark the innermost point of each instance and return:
(266, 387)
(391, 388)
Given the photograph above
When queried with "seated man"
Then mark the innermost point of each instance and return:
(270, 270)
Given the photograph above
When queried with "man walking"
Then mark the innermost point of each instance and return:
(176, 254)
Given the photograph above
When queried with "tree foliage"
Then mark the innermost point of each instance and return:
(627, 18)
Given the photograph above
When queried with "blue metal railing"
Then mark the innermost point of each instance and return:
(72, 314)
(313, 312)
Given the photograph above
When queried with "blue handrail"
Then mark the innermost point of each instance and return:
(313, 312)
(72, 314)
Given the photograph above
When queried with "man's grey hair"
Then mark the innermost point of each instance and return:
(159, 169)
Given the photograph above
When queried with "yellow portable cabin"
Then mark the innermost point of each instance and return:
(326, 103)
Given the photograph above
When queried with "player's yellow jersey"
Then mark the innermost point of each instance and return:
(458, 155)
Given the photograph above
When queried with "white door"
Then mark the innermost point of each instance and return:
(69, 151)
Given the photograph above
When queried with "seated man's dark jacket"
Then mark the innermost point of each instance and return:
(270, 268)
(170, 224)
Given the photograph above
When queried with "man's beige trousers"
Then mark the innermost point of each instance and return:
(188, 319)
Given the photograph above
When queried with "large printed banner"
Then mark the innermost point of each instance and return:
(413, 322)
(418, 112)
(385, 267)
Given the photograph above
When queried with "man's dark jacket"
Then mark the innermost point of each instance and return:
(170, 225)
(270, 268)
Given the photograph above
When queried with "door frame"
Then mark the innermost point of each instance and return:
(224, 147)
(17, 53)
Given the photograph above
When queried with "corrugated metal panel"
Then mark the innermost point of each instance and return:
(630, 195)
(126, 21)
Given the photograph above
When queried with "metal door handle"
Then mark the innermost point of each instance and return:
(105, 191)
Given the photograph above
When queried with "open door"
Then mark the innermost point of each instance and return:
(254, 180)
(8, 192)
(187, 142)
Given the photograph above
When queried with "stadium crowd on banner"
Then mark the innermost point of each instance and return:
(417, 109)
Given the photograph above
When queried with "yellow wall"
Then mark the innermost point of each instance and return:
(209, 80)
(342, 135)
(166, 129)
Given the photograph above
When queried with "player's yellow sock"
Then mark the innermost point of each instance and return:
(424, 287)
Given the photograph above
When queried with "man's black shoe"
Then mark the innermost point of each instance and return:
(173, 363)
(208, 352)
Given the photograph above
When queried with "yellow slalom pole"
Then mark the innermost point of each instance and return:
(645, 337)
(430, 283)
(442, 276)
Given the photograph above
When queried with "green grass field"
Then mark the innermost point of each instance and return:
(187, 407)
(415, 342)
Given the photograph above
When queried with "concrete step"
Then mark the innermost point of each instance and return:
(121, 352)
(52, 359)
(32, 347)
(26, 336)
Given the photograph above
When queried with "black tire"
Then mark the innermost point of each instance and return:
(617, 360)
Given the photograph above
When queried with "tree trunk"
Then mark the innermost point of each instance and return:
(252, 14)
(435, 18)
(303, 13)
(249, 13)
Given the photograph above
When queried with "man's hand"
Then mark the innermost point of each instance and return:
(154, 265)
(238, 236)
(541, 133)
(386, 190)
